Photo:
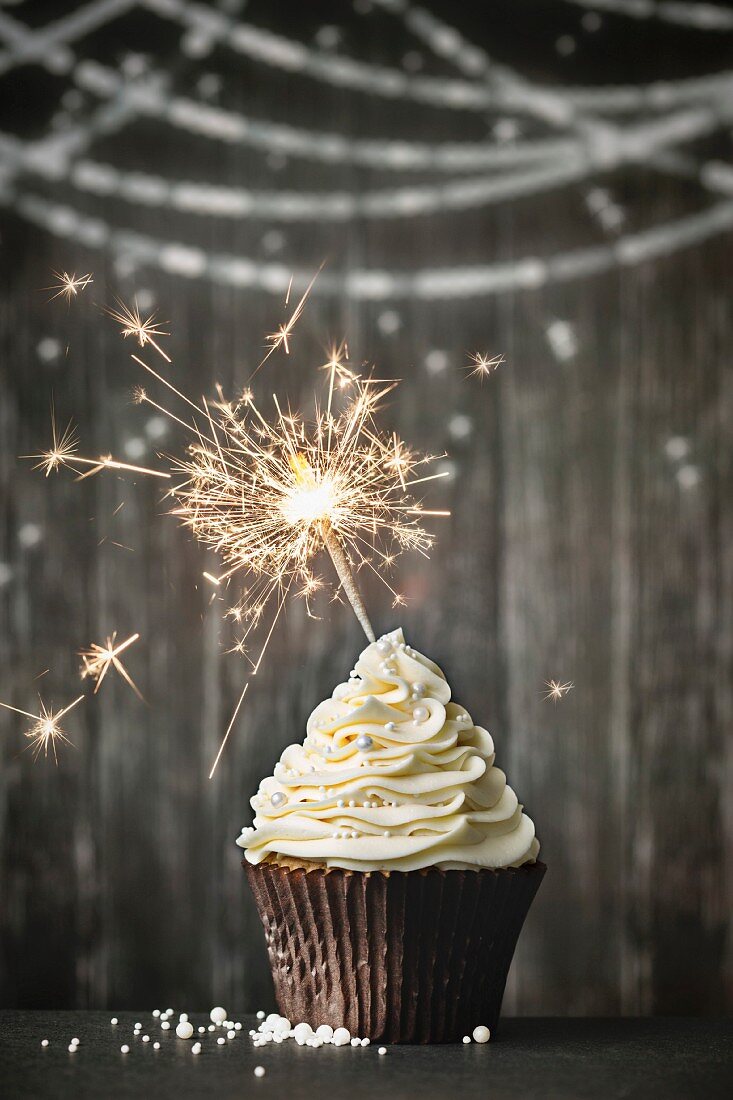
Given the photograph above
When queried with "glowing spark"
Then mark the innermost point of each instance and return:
(68, 285)
(556, 690)
(282, 334)
(98, 659)
(133, 324)
(62, 452)
(482, 366)
(45, 730)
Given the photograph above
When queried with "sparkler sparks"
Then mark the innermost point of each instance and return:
(482, 366)
(556, 690)
(98, 659)
(45, 730)
(62, 452)
(144, 331)
(68, 285)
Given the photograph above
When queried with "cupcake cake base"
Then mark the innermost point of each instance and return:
(401, 957)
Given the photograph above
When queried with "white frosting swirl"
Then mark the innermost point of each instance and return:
(391, 776)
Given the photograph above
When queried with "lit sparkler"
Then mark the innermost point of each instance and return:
(45, 730)
(98, 659)
(556, 690)
(268, 494)
(482, 366)
(68, 285)
(62, 452)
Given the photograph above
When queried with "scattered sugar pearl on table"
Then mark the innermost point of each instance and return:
(44, 1042)
(146, 1038)
(156, 1012)
(341, 1037)
(382, 1050)
(156, 1046)
(231, 1034)
(124, 1049)
(466, 1038)
(365, 1042)
(196, 1048)
(183, 1018)
(202, 1030)
(184, 1030)
(237, 1026)
(75, 1042)
(72, 1048)
(165, 1025)
(356, 1042)
(260, 1014)
(169, 1012)
(259, 1071)
(212, 1027)
(481, 1034)
(221, 1040)
(218, 1015)
(114, 1021)
(325, 1032)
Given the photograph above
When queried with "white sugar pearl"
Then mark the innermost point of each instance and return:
(212, 1027)
(114, 1021)
(283, 1024)
(156, 1012)
(302, 1032)
(325, 1032)
(420, 714)
(72, 1048)
(356, 1042)
(221, 1040)
(146, 1038)
(418, 688)
(364, 742)
(341, 1037)
(44, 1042)
(386, 833)
(237, 1026)
(169, 1012)
(231, 1034)
(138, 1024)
(390, 726)
(340, 803)
(183, 1017)
(156, 1046)
(124, 1049)
(481, 1034)
(382, 1050)
(384, 646)
(184, 1030)
(202, 1030)
(260, 1014)
(259, 1071)
(365, 1042)
(218, 1015)
(352, 802)
(196, 1048)
(466, 1038)
(165, 1026)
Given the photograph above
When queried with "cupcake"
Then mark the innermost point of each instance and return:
(391, 864)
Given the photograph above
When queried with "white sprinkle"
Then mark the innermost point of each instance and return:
(184, 1030)
(156, 1012)
(202, 1030)
(382, 1050)
(221, 1040)
(390, 726)
(352, 802)
(169, 1012)
(44, 1042)
(237, 1026)
(259, 1071)
(481, 1034)
(365, 1042)
(114, 1021)
(302, 1032)
(124, 1049)
(386, 833)
(146, 1038)
(212, 1027)
(156, 1046)
(231, 1034)
(72, 1048)
(165, 1026)
(324, 1032)
(340, 803)
(196, 1048)
(356, 1042)
(341, 1037)
(466, 1038)
(138, 1024)
(218, 1015)
(183, 1017)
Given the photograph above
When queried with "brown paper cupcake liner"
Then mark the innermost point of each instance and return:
(404, 957)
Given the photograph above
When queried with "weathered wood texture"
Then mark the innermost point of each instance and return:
(590, 535)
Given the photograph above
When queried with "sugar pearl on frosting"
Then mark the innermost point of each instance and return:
(420, 714)
(390, 726)
(364, 742)
(418, 688)
(278, 799)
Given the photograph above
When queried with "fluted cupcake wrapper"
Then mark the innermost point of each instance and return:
(405, 957)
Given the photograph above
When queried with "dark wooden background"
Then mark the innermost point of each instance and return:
(590, 535)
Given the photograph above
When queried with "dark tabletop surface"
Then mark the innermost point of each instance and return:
(547, 1058)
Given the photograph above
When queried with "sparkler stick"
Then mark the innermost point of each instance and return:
(340, 561)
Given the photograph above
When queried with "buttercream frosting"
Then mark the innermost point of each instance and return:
(392, 775)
